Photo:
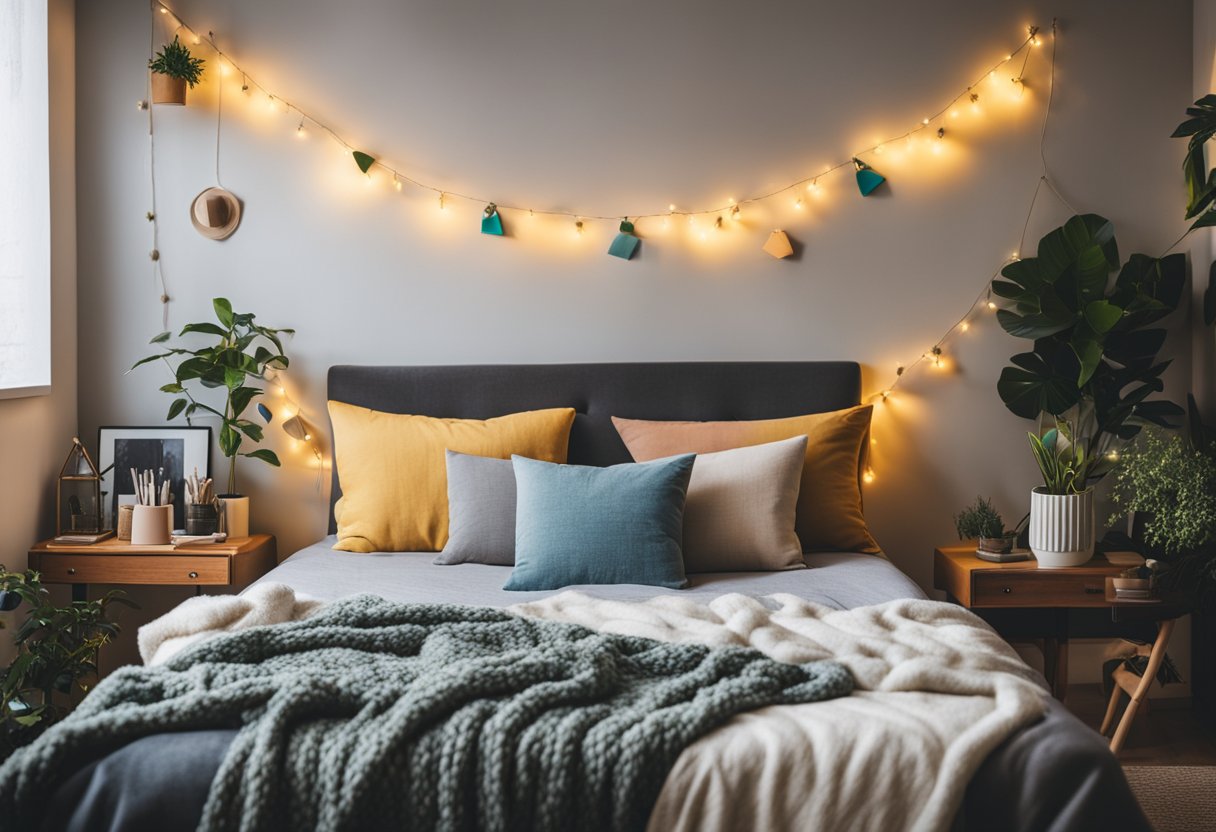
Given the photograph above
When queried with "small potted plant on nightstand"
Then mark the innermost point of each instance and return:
(1062, 523)
(983, 524)
(173, 69)
(244, 353)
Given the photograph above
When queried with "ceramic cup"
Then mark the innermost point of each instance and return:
(151, 525)
(235, 509)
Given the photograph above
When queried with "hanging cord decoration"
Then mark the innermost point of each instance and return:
(158, 269)
(733, 207)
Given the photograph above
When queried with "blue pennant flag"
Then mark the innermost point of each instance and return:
(491, 221)
(867, 178)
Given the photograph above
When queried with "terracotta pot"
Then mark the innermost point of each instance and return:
(166, 90)
(1062, 528)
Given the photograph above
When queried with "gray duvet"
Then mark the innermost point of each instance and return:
(1054, 775)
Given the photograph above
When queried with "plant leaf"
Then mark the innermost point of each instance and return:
(177, 407)
(223, 311)
(206, 328)
(1101, 315)
(161, 338)
(265, 455)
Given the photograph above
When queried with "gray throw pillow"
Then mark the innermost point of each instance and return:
(481, 511)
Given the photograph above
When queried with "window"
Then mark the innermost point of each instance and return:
(25, 210)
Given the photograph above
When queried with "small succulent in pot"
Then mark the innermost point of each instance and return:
(981, 522)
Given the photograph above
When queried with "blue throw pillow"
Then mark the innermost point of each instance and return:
(577, 524)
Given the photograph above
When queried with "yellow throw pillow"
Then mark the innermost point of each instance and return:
(829, 498)
(393, 469)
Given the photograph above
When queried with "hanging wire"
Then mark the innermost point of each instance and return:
(158, 269)
(448, 193)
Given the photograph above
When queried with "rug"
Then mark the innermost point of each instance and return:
(1176, 798)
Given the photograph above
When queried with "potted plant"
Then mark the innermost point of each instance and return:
(56, 652)
(173, 69)
(1062, 526)
(242, 354)
(1169, 481)
(982, 523)
(1093, 367)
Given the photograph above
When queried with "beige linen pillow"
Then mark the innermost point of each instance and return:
(741, 507)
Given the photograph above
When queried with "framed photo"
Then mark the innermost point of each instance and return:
(175, 451)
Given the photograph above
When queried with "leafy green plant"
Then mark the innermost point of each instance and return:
(174, 60)
(1094, 358)
(980, 519)
(1200, 127)
(1064, 463)
(1174, 483)
(56, 653)
(242, 354)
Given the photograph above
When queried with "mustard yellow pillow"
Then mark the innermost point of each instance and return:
(829, 498)
(393, 469)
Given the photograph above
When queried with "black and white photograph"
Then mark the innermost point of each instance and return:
(172, 454)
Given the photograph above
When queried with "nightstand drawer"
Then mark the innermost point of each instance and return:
(1037, 588)
(199, 570)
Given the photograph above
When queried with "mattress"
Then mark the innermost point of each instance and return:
(842, 580)
(1054, 775)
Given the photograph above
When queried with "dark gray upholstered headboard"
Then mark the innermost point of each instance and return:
(699, 391)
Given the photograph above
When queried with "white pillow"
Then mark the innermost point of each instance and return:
(741, 507)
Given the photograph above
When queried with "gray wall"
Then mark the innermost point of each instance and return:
(603, 109)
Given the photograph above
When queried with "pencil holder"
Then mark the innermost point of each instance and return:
(201, 518)
(150, 525)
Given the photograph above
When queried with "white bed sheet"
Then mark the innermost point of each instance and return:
(842, 580)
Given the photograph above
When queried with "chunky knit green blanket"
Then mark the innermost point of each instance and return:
(378, 715)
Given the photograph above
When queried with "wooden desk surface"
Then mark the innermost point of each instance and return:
(978, 584)
(233, 563)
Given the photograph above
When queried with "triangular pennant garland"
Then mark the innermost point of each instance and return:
(625, 244)
(491, 221)
(778, 245)
(867, 178)
(363, 160)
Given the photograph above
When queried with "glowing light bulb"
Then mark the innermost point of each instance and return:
(270, 105)
(992, 304)
(300, 134)
(225, 69)
(197, 40)
(397, 183)
(578, 228)
(531, 214)
(163, 10)
(954, 114)
(1015, 257)
(964, 326)
(736, 214)
(308, 437)
(992, 73)
(878, 149)
(924, 121)
(886, 394)
(282, 390)
(442, 206)
(1113, 456)
(868, 476)
(798, 203)
(671, 209)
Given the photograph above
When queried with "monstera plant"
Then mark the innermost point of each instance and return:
(1094, 355)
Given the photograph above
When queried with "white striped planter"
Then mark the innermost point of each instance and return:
(1062, 528)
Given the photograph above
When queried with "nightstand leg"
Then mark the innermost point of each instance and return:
(1154, 663)
(1055, 665)
(80, 592)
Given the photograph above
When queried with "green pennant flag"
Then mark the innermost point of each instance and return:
(364, 160)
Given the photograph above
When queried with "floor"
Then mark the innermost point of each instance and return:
(1165, 735)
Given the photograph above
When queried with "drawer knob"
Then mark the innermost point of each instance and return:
(1007, 590)
(71, 570)
(193, 574)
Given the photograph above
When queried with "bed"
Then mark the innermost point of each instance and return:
(1053, 775)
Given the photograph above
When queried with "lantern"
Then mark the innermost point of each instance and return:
(78, 494)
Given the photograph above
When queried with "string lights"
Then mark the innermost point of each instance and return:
(868, 179)
(626, 243)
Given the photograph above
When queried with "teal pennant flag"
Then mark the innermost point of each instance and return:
(625, 244)
(491, 221)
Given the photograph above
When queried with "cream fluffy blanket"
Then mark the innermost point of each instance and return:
(937, 691)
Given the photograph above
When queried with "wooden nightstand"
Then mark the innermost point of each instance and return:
(1022, 601)
(233, 564)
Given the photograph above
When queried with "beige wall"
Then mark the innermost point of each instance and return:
(603, 108)
(36, 432)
